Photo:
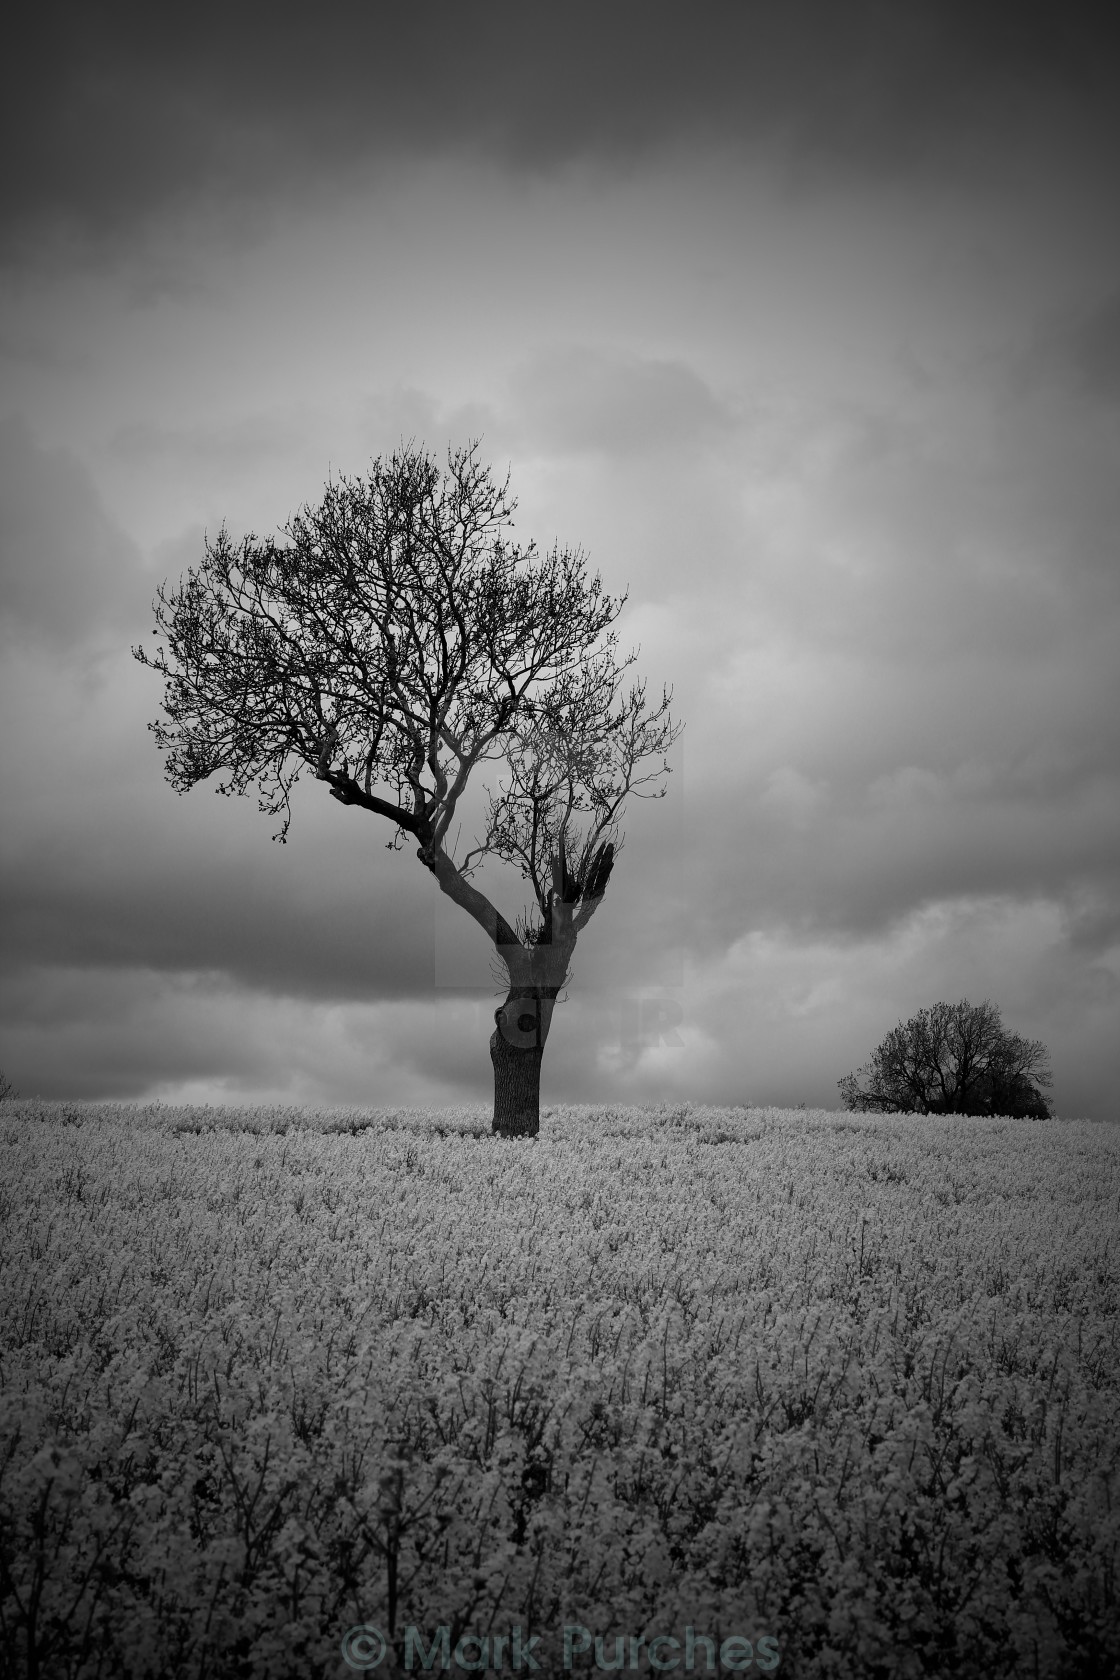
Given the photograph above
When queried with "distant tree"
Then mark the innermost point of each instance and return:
(956, 1058)
(394, 642)
(7, 1089)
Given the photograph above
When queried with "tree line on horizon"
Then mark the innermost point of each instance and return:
(953, 1058)
(947, 1059)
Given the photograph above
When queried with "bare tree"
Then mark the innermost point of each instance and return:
(954, 1058)
(394, 642)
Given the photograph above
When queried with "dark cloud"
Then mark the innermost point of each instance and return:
(145, 879)
(66, 570)
(91, 1034)
(128, 1034)
(119, 111)
(833, 868)
(906, 788)
(288, 932)
(192, 885)
(1094, 922)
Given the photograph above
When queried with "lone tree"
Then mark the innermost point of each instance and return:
(956, 1058)
(393, 642)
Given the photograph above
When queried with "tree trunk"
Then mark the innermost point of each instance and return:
(516, 1050)
(517, 1088)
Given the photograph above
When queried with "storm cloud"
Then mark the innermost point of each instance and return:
(802, 320)
(132, 111)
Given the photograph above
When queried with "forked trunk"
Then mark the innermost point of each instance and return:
(537, 968)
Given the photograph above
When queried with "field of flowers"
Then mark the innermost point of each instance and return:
(843, 1387)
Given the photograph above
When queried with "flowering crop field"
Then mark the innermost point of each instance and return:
(697, 1390)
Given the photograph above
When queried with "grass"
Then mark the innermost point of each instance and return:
(843, 1383)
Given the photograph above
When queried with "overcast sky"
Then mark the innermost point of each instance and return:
(803, 320)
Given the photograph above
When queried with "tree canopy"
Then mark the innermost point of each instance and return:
(953, 1058)
(394, 640)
